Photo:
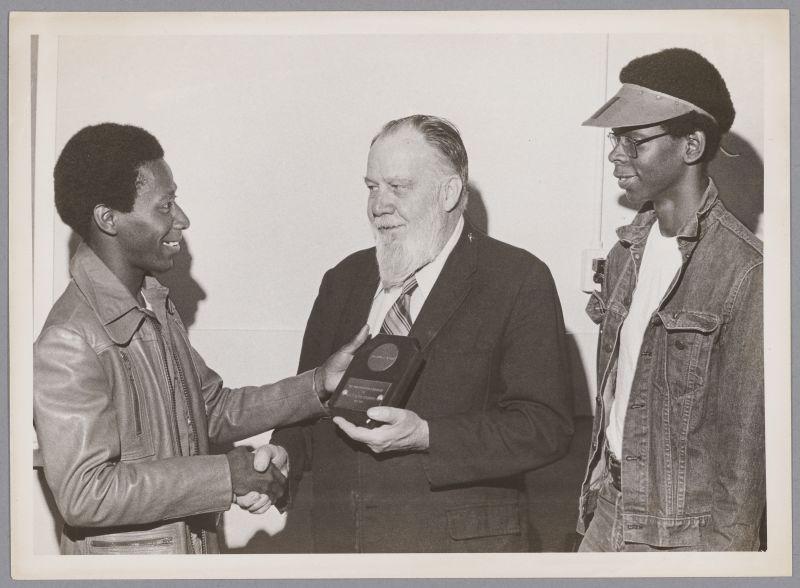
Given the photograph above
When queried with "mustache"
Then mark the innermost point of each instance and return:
(385, 222)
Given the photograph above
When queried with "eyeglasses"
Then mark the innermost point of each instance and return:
(629, 144)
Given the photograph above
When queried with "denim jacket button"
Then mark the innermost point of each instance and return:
(680, 345)
(608, 348)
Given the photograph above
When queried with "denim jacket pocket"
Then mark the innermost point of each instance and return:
(135, 437)
(689, 337)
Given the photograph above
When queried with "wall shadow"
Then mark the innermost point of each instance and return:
(740, 181)
(296, 536)
(582, 399)
(553, 490)
(476, 209)
(184, 291)
(259, 543)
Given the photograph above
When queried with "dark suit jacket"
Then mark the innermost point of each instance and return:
(494, 390)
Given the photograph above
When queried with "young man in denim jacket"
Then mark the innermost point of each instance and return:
(677, 453)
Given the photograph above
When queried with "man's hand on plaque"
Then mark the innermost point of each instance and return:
(328, 374)
(403, 430)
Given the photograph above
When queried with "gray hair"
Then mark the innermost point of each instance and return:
(443, 136)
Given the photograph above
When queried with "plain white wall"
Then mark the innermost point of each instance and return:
(267, 137)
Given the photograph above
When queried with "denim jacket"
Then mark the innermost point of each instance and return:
(693, 440)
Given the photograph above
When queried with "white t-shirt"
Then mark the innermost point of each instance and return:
(661, 260)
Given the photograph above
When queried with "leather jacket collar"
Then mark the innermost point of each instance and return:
(118, 311)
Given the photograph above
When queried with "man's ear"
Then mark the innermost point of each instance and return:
(105, 219)
(695, 147)
(452, 192)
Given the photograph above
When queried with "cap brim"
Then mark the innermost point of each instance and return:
(636, 106)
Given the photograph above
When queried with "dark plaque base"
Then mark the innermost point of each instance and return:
(382, 373)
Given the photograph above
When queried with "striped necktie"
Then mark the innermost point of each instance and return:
(398, 319)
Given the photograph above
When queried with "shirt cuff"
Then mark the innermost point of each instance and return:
(308, 382)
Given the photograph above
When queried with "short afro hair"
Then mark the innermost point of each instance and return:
(100, 165)
(687, 75)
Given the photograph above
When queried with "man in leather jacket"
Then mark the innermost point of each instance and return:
(677, 453)
(125, 409)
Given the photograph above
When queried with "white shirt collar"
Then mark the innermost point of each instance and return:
(426, 279)
(427, 275)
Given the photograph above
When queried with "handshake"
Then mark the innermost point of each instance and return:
(258, 479)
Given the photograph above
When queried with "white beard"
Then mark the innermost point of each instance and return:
(400, 256)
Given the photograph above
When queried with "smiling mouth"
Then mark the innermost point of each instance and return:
(624, 181)
(172, 244)
(387, 227)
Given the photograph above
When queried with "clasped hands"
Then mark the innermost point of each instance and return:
(258, 479)
(256, 485)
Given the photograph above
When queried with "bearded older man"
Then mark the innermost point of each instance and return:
(493, 399)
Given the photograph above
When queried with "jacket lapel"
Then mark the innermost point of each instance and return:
(360, 299)
(452, 286)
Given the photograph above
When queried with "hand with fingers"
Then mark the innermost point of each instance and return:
(403, 430)
(327, 376)
(258, 479)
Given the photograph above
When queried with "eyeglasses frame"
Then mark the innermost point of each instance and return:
(630, 144)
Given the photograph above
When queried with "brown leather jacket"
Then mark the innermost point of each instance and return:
(107, 426)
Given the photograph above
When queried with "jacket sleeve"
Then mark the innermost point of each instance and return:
(529, 423)
(738, 494)
(238, 413)
(318, 345)
(79, 440)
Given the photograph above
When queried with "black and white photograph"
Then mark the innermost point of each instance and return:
(410, 294)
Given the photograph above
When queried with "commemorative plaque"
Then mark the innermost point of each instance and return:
(382, 373)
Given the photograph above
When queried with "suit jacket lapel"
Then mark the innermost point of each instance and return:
(452, 286)
(361, 296)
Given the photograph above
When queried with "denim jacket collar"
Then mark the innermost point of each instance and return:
(118, 311)
(635, 234)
